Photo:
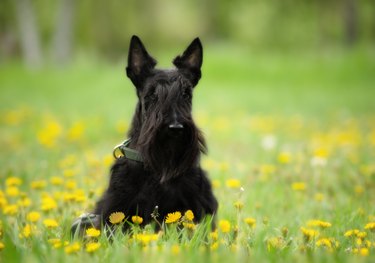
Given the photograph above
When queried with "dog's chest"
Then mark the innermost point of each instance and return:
(172, 195)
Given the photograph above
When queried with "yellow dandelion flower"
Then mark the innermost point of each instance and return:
(68, 161)
(10, 209)
(175, 249)
(68, 197)
(238, 205)
(370, 226)
(137, 220)
(54, 241)
(92, 246)
(216, 183)
(76, 131)
(14, 117)
(48, 203)
(155, 237)
(358, 189)
(2, 246)
(233, 183)
(214, 246)
(57, 243)
(26, 231)
(12, 191)
(319, 197)
(309, 234)
(70, 172)
(33, 216)
(13, 181)
(368, 243)
(299, 186)
(361, 235)
(321, 153)
(50, 223)
(172, 217)
(145, 239)
(71, 184)
(79, 197)
(116, 217)
(92, 232)
(214, 235)
(318, 223)
(221, 124)
(190, 226)
(122, 127)
(364, 252)
(324, 242)
(108, 160)
(189, 215)
(274, 243)
(352, 232)
(224, 226)
(3, 199)
(72, 248)
(251, 222)
(55, 180)
(224, 166)
(209, 164)
(24, 202)
(49, 134)
(38, 184)
(267, 169)
(284, 157)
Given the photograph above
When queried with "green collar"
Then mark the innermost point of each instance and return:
(122, 150)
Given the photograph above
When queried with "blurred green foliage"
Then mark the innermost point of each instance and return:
(103, 27)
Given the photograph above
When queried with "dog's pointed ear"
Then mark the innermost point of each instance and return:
(191, 60)
(139, 61)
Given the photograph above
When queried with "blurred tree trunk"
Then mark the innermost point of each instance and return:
(63, 38)
(351, 21)
(29, 35)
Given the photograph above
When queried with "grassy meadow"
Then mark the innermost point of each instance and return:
(291, 157)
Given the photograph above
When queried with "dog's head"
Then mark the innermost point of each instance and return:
(163, 127)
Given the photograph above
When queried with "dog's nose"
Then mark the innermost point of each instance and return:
(176, 126)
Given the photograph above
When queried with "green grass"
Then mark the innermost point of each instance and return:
(316, 113)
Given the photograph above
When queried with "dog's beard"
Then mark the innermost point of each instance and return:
(168, 156)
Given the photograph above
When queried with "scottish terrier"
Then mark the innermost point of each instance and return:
(159, 166)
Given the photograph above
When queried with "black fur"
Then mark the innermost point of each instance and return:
(166, 136)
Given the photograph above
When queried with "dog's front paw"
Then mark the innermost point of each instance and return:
(84, 222)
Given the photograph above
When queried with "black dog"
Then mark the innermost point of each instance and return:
(160, 166)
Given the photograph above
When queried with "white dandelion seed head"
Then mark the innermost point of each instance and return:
(269, 142)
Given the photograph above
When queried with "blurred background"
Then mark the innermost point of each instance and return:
(39, 32)
(291, 57)
(305, 60)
